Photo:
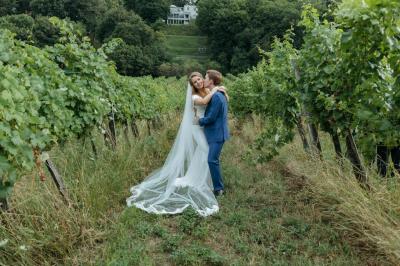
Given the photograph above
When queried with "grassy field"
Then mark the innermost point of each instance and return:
(270, 215)
(187, 30)
(183, 48)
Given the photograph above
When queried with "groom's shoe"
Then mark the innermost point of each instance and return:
(219, 193)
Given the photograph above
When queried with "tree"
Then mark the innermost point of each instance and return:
(23, 6)
(238, 28)
(44, 32)
(87, 12)
(181, 3)
(8, 7)
(143, 49)
(150, 11)
(21, 25)
(51, 8)
(116, 21)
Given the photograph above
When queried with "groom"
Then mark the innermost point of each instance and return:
(215, 123)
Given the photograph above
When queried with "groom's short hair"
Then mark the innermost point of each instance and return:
(215, 76)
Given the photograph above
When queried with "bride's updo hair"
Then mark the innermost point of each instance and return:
(192, 75)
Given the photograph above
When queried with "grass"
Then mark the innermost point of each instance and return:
(187, 30)
(271, 215)
(183, 47)
(369, 219)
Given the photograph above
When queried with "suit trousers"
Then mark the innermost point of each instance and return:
(214, 153)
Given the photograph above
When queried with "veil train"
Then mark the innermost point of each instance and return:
(184, 179)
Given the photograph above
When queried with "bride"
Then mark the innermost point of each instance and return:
(184, 180)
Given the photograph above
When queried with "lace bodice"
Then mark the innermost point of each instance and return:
(199, 109)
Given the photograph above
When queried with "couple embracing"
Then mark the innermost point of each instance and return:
(191, 175)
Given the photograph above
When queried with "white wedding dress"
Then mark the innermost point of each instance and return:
(184, 180)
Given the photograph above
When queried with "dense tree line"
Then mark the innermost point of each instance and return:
(142, 50)
(238, 28)
(150, 11)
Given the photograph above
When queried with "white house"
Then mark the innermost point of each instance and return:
(181, 15)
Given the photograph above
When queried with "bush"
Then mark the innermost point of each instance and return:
(142, 51)
(49, 8)
(21, 25)
(8, 7)
(44, 32)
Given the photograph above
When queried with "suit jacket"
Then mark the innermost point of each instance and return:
(215, 120)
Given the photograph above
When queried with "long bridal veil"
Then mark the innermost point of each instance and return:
(184, 179)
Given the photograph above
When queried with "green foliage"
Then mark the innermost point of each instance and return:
(49, 8)
(23, 6)
(22, 25)
(347, 76)
(102, 20)
(270, 90)
(29, 75)
(371, 54)
(87, 12)
(350, 68)
(150, 11)
(44, 32)
(38, 31)
(238, 28)
(181, 3)
(8, 7)
(142, 50)
(52, 94)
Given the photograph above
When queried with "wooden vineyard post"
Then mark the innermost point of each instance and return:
(336, 145)
(316, 144)
(57, 180)
(92, 144)
(112, 134)
(355, 159)
(134, 128)
(93, 147)
(4, 204)
(149, 127)
(109, 135)
(126, 131)
(156, 122)
(302, 133)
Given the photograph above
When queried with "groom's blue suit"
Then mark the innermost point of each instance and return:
(215, 123)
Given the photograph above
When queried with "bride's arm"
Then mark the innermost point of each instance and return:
(207, 98)
(223, 90)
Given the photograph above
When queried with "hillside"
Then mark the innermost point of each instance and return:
(185, 43)
(182, 47)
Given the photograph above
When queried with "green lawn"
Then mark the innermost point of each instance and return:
(182, 47)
